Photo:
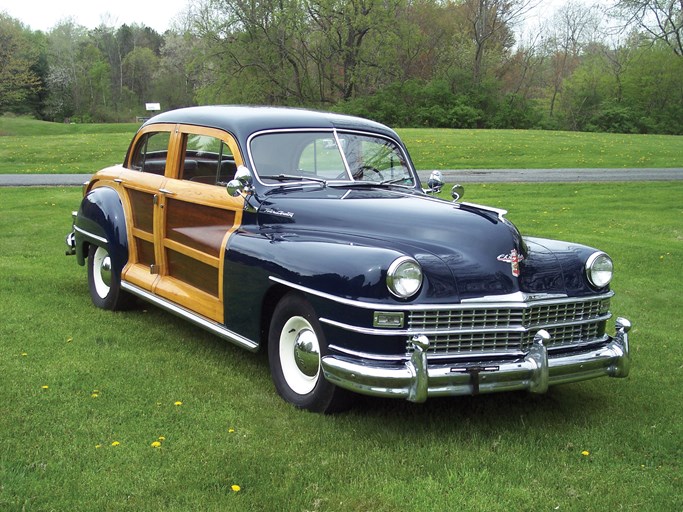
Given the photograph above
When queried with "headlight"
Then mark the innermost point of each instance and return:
(599, 269)
(404, 277)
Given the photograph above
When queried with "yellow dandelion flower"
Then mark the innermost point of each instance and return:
(585, 453)
(231, 430)
(115, 443)
(24, 354)
(94, 395)
(162, 438)
(45, 387)
(178, 403)
(235, 488)
(156, 444)
(97, 446)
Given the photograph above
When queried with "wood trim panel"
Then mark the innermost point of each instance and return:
(197, 226)
(191, 298)
(213, 261)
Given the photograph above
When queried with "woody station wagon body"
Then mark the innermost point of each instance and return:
(326, 250)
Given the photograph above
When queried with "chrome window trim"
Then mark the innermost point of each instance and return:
(335, 133)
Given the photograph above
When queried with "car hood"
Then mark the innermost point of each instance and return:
(466, 251)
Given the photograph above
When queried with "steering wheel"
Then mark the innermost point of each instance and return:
(374, 174)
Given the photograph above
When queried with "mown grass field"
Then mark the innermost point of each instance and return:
(85, 393)
(35, 147)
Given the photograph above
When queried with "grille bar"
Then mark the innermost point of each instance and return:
(503, 329)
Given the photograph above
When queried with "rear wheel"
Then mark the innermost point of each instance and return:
(104, 281)
(295, 346)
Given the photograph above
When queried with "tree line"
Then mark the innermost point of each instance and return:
(435, 63)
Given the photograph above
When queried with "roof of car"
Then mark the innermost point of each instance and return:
(242, 121)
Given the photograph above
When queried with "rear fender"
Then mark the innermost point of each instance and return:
(100, 220)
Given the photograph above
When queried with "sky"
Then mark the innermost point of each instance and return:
(45, 14)
(157, 14)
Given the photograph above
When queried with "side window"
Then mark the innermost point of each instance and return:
(151, 153)
(207, 160)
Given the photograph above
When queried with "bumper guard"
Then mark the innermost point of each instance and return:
(416, 379)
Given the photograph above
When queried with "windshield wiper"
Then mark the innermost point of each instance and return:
(369, 184)
(290, 177)
(396, 181)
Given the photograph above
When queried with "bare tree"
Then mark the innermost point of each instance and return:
(492, 21)
(573, 26)
(661, 19)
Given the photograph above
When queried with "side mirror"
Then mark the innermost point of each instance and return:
(242, 183)
(457, 192)
(435, 182)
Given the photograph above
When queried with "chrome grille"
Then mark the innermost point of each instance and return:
(509, 329)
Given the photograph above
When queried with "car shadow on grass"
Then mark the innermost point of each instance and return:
(581, 403)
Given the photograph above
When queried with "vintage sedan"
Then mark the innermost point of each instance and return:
(309, 234)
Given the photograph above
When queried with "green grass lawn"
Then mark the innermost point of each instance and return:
(86, 392)
(28, 146)
(532, 149)
(36, 147)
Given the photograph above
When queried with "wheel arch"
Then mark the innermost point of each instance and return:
(101, 221)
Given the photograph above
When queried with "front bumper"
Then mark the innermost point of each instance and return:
(416, 379)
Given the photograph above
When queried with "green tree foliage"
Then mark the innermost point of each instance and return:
(20, 58)
(436, 63)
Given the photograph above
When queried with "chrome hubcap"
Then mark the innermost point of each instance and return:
(102, 272)
(105, 270)
(306, 353)
(299, 355)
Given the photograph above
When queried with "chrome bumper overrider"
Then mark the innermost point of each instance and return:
(416, 379)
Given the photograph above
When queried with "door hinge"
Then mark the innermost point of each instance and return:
(153, 269)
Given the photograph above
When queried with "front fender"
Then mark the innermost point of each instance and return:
(338, 268)
(101, 221)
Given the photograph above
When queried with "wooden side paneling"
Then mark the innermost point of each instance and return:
(142, 205)
(197, 226)
(193, 272)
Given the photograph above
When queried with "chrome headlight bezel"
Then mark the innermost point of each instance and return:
(404, 277)
(599, 269)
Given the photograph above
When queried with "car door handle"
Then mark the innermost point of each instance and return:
(166, 192)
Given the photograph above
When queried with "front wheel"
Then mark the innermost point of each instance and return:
(104, 281)
(295, 346)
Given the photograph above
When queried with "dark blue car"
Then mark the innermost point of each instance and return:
(310, 234)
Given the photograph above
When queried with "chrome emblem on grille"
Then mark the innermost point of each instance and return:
(513, 258)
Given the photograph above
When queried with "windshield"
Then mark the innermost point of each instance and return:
(329, 156)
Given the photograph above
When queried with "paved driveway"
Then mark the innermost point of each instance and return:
(455, 176)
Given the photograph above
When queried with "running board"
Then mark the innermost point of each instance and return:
(209, 325)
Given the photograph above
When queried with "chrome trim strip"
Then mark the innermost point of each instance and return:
(91, 235)
(497, 303)
(498, 211)
(368, 355)
(412, 332)
(516, 297)
(211, 326)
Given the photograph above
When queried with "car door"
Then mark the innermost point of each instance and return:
(196, 216)
(142, 179)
